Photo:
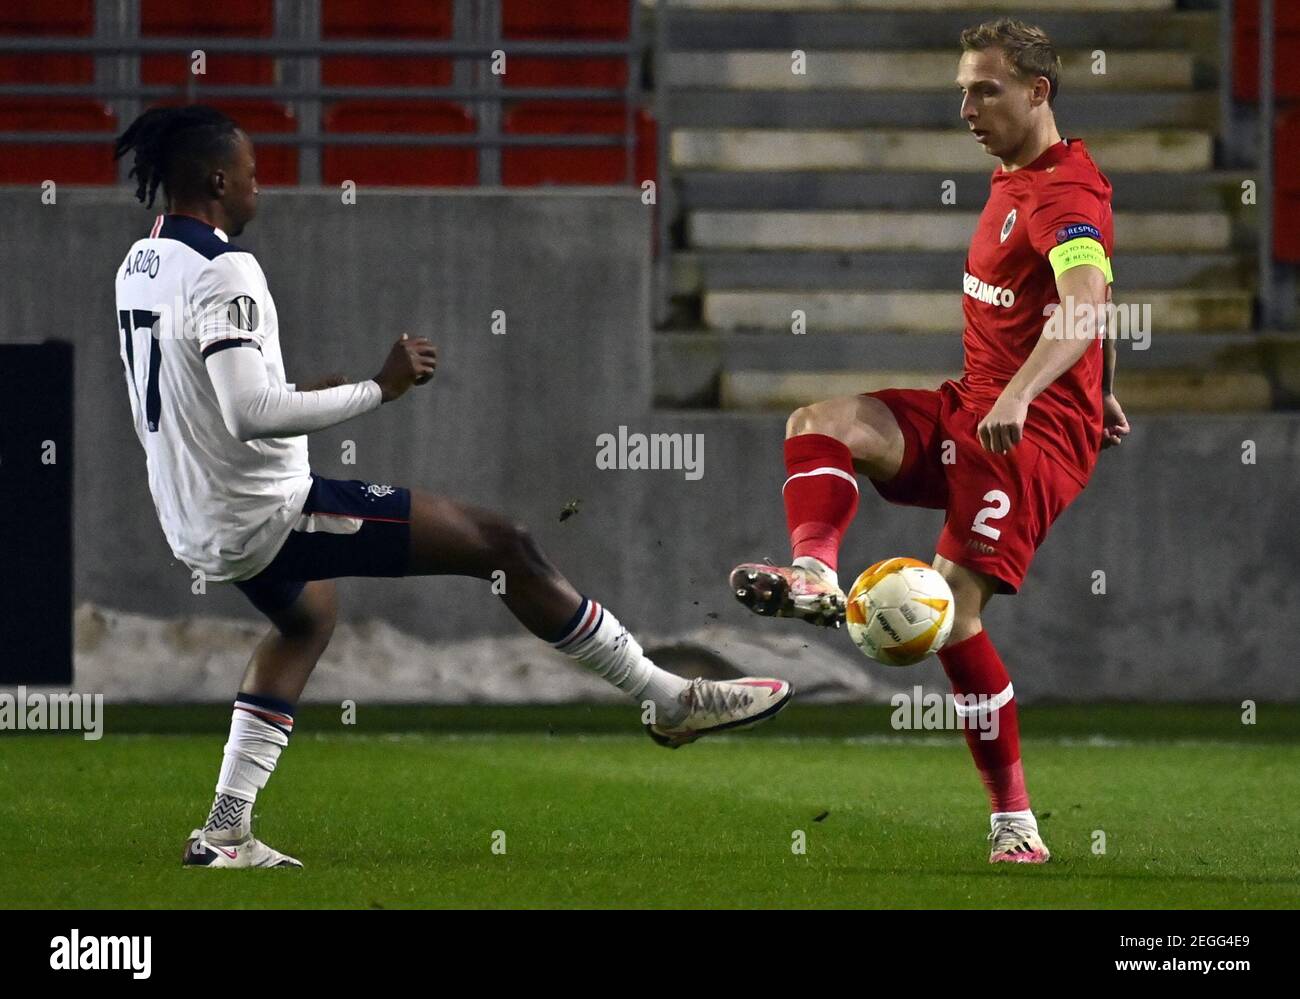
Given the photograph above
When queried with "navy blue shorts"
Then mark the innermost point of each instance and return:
(347, 528)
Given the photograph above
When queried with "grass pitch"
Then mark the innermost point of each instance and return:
(404, 808)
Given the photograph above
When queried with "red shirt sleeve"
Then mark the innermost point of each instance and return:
(1068, 209)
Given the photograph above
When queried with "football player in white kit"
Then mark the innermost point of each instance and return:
(224, 435)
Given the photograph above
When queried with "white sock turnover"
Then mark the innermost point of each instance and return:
(595, 638)
(259, 730)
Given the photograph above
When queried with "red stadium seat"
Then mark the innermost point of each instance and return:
(397, 19)
(204, 18)
(1286, 50)
(400, 166)
(276, 163)
(536, 72)
(54, 17)
(1286, 212)
(565, 20)
(526, 166)
(31, 163)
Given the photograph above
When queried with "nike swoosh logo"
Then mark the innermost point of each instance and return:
(773, 685)
(232, 854)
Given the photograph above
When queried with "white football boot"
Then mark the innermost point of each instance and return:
(247, 852)
(789, 591)
(1016, 841)
(722, 706)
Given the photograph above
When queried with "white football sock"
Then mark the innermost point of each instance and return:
(1026, 816)
(259, 729)
(595, 638)
(818, 568)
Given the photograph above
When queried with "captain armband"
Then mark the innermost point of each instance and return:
(1082, 250)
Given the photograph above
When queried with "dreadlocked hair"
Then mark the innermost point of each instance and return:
(173, 147)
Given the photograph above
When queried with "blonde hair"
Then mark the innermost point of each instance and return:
(1029, 51)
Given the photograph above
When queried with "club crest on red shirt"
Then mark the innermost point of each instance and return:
(1008, 225)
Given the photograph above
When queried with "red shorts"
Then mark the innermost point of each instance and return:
(999, 506)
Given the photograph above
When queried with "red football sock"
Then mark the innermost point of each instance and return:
(974, 667)
(821, 495)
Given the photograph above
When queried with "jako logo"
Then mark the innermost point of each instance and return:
(635, 451)
(91, 953)
(988, 294)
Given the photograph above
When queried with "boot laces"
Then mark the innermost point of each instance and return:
(716, 698)
(1013, 836)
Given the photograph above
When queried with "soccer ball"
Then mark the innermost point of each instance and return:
(899, 611)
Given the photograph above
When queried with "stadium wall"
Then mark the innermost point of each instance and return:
(1198, 548)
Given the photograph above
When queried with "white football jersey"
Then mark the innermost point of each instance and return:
(183, 293)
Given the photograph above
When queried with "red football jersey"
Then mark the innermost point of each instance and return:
(1009, 285)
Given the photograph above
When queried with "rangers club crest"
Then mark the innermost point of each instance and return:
(378, 490)
(1008, 225)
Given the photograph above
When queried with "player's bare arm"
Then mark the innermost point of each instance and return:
(1066, 337)
(1114, 425)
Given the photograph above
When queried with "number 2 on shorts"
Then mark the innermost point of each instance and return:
(999, 508)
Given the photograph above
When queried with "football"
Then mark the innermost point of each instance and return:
(899, 611)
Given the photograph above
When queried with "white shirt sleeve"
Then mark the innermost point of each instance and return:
(254, 408)
(230, 302)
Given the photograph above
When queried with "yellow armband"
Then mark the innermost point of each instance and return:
(1079, 251)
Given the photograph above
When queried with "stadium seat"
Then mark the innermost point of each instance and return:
(395, 20)
(1286, 212)
(526, 166)
(1245, 50)
(31, 163)
(565, 20)
(55, 17)
(276, 164)
(400, 166)
(202, 18)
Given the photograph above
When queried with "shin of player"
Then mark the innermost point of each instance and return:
(984, 689)
(821, 498)
(880, 434)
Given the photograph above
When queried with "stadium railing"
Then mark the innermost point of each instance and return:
(119, 49)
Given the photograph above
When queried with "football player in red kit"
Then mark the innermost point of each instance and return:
(1006, 447)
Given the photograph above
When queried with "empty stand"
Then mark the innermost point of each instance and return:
(32, 162)
(820, 192)
(1286, 50)
(204, 18)
(1286, 175)
(397, 19)
(565, 20)
(73, 18)
(67, 163)
(416, 166)
(524, 166)
(276, 163)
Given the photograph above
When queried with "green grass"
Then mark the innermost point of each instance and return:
(1198, 811)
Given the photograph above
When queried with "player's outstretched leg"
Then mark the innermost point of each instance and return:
(260, 726)
(975, 668)
(826, 444)
(450, 538)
